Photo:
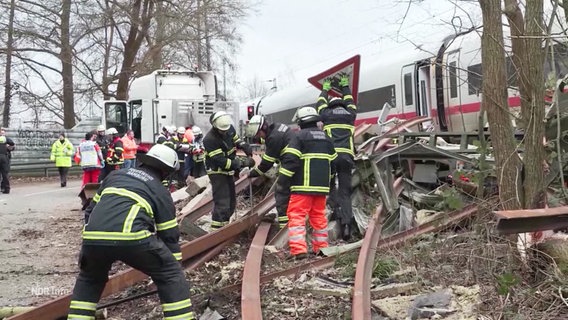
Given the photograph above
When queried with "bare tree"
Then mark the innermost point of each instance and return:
(8, 70)
(508, 164)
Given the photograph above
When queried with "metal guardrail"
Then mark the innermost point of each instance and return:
(41, 168)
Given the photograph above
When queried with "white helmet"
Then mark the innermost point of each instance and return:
(306, 114)
(171, 129)
(221, 120)
(160, 157)
(101, 128)
(196, 130)
(254, 126)
(181, 130)
(112, 131)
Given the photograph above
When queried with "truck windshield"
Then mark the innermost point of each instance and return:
(116, 116)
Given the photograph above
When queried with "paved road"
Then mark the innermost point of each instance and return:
(39, 197)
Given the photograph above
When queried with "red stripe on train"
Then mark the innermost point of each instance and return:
(453, 110)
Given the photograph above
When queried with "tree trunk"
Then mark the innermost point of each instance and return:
(508, 164)
(109, 40)
(8, 84)
(532, 105)
(66, 56)
(140, 23)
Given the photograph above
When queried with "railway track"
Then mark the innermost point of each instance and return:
(198, 251)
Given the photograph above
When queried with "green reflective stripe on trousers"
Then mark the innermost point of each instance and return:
(83, 305)
(130, 218)
(167, 225)
(185, 316)
(109, 235)
(79, 317)
(129, 194)
(173, 306)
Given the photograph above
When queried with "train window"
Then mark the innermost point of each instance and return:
(453, 80)
(408, 89)
(474, 73)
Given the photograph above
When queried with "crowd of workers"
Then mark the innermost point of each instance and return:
(132, 217)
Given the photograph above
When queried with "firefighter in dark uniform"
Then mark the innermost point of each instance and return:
(114, 158)
(277, 136)
(221, 143)
(182, 147)
(338, 117)
(307, 168)
(6, 147)
(120, 226)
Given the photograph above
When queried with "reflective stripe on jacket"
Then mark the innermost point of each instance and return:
(61, 153)
(308, 162)
(220, 151)
(129, 207)
(338, 120)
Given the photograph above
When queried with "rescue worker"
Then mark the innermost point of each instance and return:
(130, 147)
(114, 158)
(103, 143)
(61, 152)
(198, 153)
(90, 158)
(277, 136)
(307, 167)
(120, 226)
(222, 166)
(7, 145)
(338, 117)
(166, 136)
(182, 147)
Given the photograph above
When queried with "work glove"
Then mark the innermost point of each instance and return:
(344, 81)
(253, 173)
(247, 149)
(326, 84)
(249, 162)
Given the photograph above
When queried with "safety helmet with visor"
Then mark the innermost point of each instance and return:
(112, 131)
(196, 130)
(305, 115)
(221, 120)
(181, 130)
(160, 157)
(101, 128)
(254, 126)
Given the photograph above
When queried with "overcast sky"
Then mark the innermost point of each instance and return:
(294, 39)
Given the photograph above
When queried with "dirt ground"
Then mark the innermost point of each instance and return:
(39, 242)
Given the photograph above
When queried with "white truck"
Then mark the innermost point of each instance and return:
(166, 97)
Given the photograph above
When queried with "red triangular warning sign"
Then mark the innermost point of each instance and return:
(350, 67)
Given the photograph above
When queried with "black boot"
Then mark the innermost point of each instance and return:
(346, 231)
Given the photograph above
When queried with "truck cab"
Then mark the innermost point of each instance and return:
(166, 97)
